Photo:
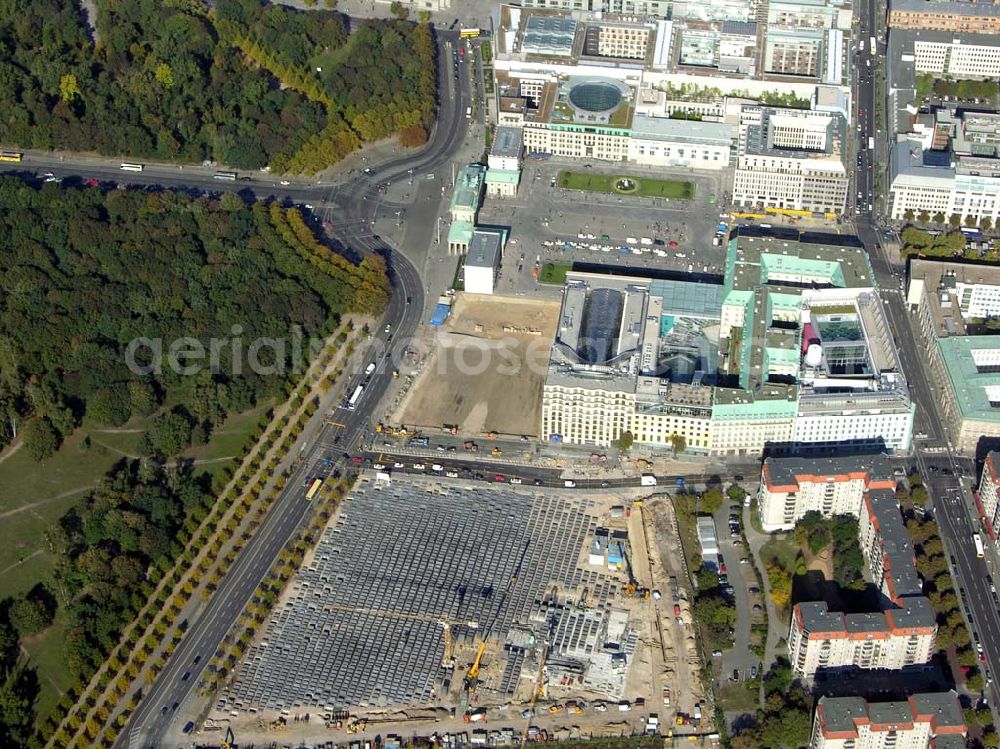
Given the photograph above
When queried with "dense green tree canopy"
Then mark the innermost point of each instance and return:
(93, 278)
(167, 81)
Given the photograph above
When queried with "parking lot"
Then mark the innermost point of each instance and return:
(660, 235)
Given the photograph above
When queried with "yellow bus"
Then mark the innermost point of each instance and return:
(313, 488)
(15, 156)
(468, 34)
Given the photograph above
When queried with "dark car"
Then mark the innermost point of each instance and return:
(187, 727)
(186, 676)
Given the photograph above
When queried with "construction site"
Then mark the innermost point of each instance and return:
(486, 367)
(426, 606)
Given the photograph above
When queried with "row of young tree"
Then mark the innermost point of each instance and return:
(162, 81)
(212, 539)
(102, 285)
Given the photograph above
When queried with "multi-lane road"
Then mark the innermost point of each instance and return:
(351, 215)
(933, 455)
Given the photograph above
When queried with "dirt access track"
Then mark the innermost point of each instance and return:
(486, 367)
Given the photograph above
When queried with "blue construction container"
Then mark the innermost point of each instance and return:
(441, 313)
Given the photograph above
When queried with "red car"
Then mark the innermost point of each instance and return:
(356, 459)
(499, 477)
(722, 569)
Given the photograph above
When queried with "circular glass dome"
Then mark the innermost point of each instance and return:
(595, 97)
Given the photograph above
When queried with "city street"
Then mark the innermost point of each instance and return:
(952, 505)
(158, 717)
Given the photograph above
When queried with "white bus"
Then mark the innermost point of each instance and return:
(225, 176)
(871, 41)
(126, 167)
(355, 397)
(978, 541)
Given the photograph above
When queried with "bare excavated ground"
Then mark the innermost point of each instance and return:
(486, 367)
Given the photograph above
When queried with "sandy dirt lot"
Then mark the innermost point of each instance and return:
(486, 367)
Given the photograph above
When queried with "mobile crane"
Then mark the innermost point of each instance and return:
(632, 587)
(472, 676)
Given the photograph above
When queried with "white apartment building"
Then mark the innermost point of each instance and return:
(923, 721)
(886, 546)
(821, 641)
(968, 186)
(791, 487)
(989, 484)
(506, 149)
(640, 8)
(577, 141)
(973, 291)
(482, 264)
(791, 159)
(824, 419)
(431, 5)
(665, 142)
(958, 56)
(587, 415)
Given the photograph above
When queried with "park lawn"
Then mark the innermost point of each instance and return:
(227, 441)
(38, 495)
(741, 697)
(782, 547)
(554, 273)
(647, 187)
(45, 652)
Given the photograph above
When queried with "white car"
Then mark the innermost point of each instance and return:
(515, 480)
(418, 466)
(284, 183)
(398, 465)
(600, 707)
(436, 468)
(452, 474)
(378, 466)
(388, 327)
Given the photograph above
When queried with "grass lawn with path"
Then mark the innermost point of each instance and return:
(646, 187)
(34, 496)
